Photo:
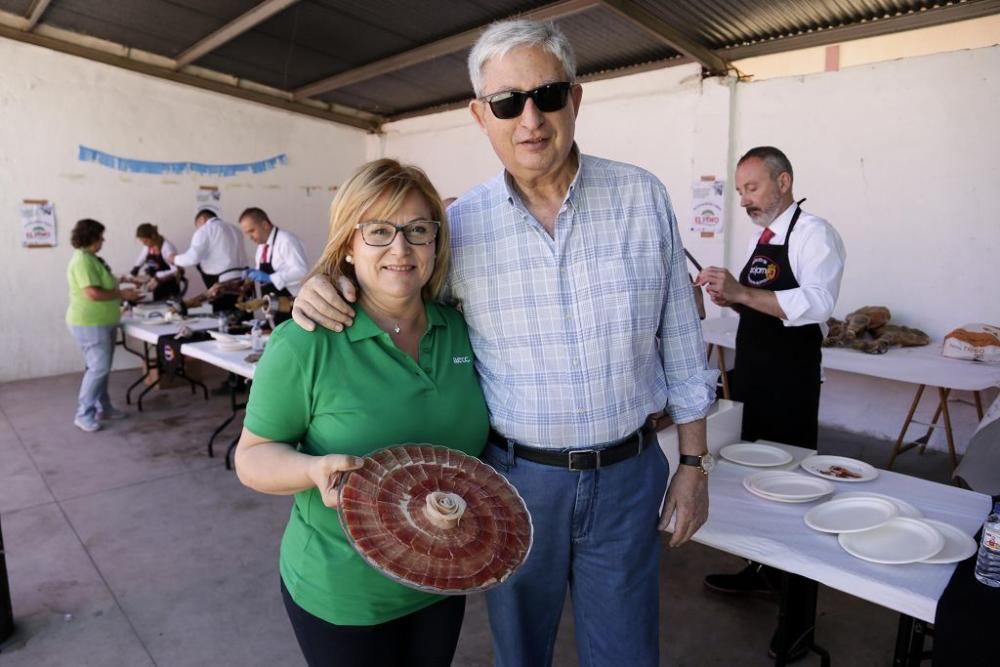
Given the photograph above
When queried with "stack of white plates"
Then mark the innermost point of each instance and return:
(232, 345)
(755, 455)
(883, 529)
(786, 487)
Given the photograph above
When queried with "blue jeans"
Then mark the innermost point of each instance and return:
(98, 347)
(595, 531)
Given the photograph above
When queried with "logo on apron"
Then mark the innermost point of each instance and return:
(762, 271)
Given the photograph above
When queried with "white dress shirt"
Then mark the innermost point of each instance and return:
(288, 259)
(817, 255)
(218, 247)
(167, 252)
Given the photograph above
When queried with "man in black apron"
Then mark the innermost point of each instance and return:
(217, 252)
(280, 258)
(777, 370)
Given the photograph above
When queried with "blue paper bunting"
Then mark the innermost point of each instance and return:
(159, 168)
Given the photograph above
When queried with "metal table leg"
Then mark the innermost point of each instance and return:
(797, 604)
(940, 411)
(235, 406)
(148, 364)
(229, 452)
(6, 612)
(910, 642)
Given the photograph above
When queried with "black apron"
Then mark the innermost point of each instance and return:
(777, 371)
(269, 288)
(224, 302)
(154, 262)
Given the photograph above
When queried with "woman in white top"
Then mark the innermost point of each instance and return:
(155, 265)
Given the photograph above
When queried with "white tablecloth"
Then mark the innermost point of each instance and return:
(149, 331)
(919, 365)
(775, 534)
(209, 352)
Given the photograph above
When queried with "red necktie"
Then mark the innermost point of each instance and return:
(263, 255)
(766, 236)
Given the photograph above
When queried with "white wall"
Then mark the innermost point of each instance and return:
(50, 103)
(900, 156)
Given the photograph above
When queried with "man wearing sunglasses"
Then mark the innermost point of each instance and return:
(570, 270)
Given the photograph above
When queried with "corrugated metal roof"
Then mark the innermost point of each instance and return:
(299, 45)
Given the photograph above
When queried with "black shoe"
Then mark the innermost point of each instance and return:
(751, 580)
(799, 650)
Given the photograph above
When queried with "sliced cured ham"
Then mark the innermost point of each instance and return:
(435, 519)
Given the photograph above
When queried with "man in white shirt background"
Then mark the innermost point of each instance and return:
(280, 260)
(785, 293)
(217, 251)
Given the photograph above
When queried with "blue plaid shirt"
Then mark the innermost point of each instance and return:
(579, 337)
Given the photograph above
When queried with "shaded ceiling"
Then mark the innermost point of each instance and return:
(364, 62)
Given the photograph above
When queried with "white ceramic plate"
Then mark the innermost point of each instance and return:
(905, 508)
(850, 515)
(758, 456)
(787, 486)
(898, 541)
(826, 467)
(957, 545)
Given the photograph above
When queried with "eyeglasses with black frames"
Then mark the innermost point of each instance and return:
(510, 103)
(382, 233)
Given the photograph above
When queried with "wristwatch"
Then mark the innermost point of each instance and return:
(705, 462)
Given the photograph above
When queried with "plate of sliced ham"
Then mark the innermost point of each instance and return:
(435, 519)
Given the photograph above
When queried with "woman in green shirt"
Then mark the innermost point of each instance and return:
(321, 400)
(92, 317)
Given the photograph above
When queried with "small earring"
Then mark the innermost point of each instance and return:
(349, 259)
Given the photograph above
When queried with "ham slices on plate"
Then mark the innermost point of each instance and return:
(435, 519)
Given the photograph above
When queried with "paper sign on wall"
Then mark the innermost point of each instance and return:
(38, 223)
(210, 198)
(706, 205)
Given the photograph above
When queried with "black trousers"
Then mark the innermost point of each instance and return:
(425, 638)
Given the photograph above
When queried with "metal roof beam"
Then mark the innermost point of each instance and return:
(437, 49)
(362, 121)
(35, 12)
(669, 35)
(232, 30)
(884, 26)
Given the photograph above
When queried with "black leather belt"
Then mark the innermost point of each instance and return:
(582, 459)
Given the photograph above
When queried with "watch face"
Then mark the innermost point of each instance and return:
(707, 463)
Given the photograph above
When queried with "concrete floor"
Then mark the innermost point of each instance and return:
(131, 547)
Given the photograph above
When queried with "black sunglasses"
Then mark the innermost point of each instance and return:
(510, 103)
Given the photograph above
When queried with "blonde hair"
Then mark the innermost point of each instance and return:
(391, 182)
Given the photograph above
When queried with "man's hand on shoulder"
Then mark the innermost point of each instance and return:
(320, 302)
(687, 497)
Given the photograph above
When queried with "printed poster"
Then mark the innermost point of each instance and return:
(209, 197)
(38, 224)
(706, 204)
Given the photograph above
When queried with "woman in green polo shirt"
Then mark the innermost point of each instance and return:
(321, 400)
(92, 317)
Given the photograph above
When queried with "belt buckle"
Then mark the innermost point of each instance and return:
(595, 452)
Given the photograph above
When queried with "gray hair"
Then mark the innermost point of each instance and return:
(775, 161)
(504, 36)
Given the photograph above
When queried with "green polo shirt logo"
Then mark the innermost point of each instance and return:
(461, 360)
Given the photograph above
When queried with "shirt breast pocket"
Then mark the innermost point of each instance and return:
(630, 288)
